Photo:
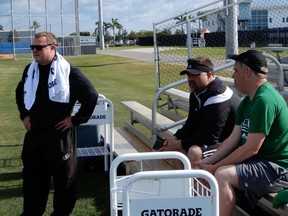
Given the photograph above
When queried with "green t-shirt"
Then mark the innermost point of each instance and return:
(266, 113)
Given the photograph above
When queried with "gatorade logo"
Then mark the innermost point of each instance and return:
(52, 84)
(98, 117)
(173, 212)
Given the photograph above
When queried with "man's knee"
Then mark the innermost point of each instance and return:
(227, 174)
(220, 173)
(195, 152)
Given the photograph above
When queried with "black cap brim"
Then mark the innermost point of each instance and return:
(190, 71)
(234, 57)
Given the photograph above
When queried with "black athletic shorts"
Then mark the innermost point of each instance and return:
(208, 150)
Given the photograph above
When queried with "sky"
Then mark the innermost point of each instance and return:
(133, 15)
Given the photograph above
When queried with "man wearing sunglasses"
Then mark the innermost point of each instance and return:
(45, 97)
(212, 111)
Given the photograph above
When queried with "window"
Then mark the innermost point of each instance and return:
(270, 20)
(287, 19)
(283, 19)
(259, 20)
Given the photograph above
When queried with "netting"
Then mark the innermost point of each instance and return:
(22, 19)
(217, 30)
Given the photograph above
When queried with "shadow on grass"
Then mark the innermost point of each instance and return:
(8, 193)
(11, 145)
(108, 64)
(93, 182)
(10, 176)
(8, 190)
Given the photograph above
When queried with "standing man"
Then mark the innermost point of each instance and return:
(212, 110)
(45, 98)
(254, 158)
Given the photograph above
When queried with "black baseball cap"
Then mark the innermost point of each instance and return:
(253, 59)
(196, 68)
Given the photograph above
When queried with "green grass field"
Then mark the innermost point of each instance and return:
(216, 52)
(117, 78)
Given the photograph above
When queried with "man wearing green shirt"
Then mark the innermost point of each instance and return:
(254, 158)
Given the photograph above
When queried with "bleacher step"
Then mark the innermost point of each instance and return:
(127, 142)
(178, 94)
(143, 115)
(133, 143)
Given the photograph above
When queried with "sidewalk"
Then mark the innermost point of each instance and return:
(142, 54)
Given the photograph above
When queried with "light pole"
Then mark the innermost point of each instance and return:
(231, 27)
(78, 45)
(100, 27)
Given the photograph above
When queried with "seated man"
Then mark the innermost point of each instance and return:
(254, 158)
(211, 114)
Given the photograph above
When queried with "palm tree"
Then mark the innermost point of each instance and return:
(1, 29)
(117, 25)
(95, 33)
(35, 25)
(107, 26)
(106, 34)
(182, 19)
(12, 34)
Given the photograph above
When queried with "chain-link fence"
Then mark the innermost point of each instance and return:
(217, 30)
(21, 20)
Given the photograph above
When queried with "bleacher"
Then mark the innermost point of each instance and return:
(136, 135)
(265, 203)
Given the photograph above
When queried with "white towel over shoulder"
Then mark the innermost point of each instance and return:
(58, 82)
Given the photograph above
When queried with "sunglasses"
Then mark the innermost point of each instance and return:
(39, 47)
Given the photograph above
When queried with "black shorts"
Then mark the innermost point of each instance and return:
(208, 150)
(259, 177)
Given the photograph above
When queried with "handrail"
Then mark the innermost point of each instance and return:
(171, 125)
(281, 72)
(163, 89)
